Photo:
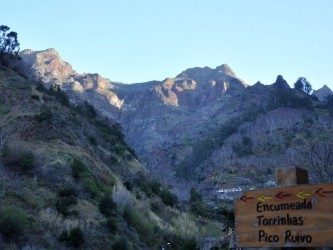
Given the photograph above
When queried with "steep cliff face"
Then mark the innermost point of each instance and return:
(48, 67)
(160, 118)
(155, 115)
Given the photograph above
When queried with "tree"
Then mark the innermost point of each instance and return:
(4, 135)
(307, 87)
(317, 156)
(13, 222)
(303, 84)
(329, 104)
(9, 45)
(298, 84)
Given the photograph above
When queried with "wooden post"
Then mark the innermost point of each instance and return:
(286, 177)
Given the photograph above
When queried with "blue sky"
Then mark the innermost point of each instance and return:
(135, 41)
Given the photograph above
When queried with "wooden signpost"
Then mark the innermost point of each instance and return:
(297, 216)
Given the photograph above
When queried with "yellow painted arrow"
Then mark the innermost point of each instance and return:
(262, 197)
(302, 194)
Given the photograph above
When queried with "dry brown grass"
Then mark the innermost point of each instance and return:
(89, 218)
(122, 197)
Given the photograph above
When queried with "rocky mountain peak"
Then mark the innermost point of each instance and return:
(196, 73)
(45, 65)
(206, 72)
(323, 92)
(206, 75)
(225, 69)
(281, 83)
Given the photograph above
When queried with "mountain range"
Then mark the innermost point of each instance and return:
(176, 126)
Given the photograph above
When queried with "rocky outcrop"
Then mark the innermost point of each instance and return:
(323, 92)
(45, 66)
(280, 83)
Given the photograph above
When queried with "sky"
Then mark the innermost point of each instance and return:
(134, 41)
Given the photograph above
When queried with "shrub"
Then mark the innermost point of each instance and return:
(66, 198)
(155, 187)
(91, 185)
(141, 223)
(120, 150)
(74, 238)
(59, 94)
(228, 217)
(87, 110)
(107, 206)
(243, 149)
(168, 198)
(198, 207)
(189, 244)
(13, 222)
(78, 168)
(67, 192)
(113, 160)
(121, 244)
(16, 157)
(26, 162)
(122, 197)
(92, 141)
(112, 224)
(44, 116)
(40, 87)
(35, 97)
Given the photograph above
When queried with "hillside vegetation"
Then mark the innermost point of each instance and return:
(69, 180)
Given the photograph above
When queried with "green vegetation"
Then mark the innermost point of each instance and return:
(287, 98)
(14, 222)
(44, 116)
(112, 224)
(303, 85)
(107, 206)
(60, 95)
(18, 159)
(329, 104)
(57, 167)
(80, 172)
(168, 198)
(9, 45)
(78, 168)
(202, 149)
(65, 200)
(154, 188)
(121, 243)
(74, 237)
(244, 148)
(138, 220)
(197, 205)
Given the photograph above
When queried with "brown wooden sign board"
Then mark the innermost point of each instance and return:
(298, 216)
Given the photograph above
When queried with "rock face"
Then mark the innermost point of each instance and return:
(323, 92)
(157, 117)
(45, 65)
(48, 67)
